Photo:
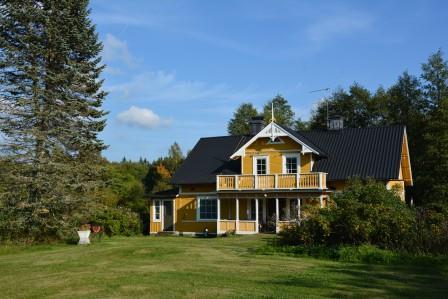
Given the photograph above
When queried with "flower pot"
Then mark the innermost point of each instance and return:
(84, 237)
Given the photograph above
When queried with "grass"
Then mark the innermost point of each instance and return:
(185, 267)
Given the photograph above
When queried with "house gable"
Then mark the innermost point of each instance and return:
(405, 164)
(274, 131)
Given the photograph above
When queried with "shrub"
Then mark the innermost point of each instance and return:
(117, 221)
(367, 213)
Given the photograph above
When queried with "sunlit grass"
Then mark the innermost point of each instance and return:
(166, 267)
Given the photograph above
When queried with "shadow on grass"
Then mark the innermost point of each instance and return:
(355, 280)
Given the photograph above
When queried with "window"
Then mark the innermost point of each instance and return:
(207, 209)
(156, 211)
(291, 164)
(261, 166)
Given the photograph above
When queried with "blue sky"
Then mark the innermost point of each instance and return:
(176, 70)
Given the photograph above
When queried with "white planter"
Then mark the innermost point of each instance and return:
(84, 237)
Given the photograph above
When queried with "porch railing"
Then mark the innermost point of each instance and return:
(312, 180)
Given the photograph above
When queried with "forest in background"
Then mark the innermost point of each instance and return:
(53, 178)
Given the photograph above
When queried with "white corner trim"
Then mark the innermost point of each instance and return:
(278, 132)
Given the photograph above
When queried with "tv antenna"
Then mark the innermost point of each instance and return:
(326, 100)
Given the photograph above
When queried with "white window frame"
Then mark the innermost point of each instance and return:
(154, 211)
(198, 206)
(294, 155)
(254, 163)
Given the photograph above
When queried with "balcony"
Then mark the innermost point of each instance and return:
(297, 181)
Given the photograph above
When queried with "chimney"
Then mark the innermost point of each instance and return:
(335, 123)
(256, 124)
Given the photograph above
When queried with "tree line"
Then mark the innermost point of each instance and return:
(420, 102)
(53, 177)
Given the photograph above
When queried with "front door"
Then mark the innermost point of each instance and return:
(168, 215)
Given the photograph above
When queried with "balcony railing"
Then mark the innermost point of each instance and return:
(312, 180)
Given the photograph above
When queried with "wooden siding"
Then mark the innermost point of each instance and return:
(261, 147)
(405, 165)
(198, 188)
(247, 226)
(227, 226)
(186, 206)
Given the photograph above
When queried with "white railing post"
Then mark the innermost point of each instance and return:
(277, 228)
(256, 181)
(298, 180)
(237, 216)
(217, 182)
(236, 182)
(320, 180)
(218, 215)
(276, 181)
(256, 215)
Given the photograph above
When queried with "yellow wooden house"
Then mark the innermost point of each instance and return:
(261, 182)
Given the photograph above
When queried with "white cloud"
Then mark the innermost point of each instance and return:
(165, 86)
(142, 118)
(345, 23)
(117, 50)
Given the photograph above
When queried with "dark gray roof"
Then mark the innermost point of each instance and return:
(366, 152)
(209, 157)
(363, 152)
(170, 193)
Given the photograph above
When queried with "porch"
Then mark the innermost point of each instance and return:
(251, 215)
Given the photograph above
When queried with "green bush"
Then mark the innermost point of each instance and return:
(117, 221)
(367, 213)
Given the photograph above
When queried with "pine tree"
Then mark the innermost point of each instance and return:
(239, 124)
(50, 114)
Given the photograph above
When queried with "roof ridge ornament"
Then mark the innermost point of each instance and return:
(272, 121)
(272, 112)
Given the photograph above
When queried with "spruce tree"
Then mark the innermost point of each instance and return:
(282, 111)
(50, 115)
(433, 176)
(239, 124)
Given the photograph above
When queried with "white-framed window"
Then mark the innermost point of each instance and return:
(261, 165)
(291, 163)
(157, 210)
(207, 208)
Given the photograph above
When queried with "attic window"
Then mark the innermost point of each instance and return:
(276, 140)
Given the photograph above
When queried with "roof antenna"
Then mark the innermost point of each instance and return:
(326, 102)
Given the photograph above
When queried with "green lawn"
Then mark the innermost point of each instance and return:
(167, 267)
